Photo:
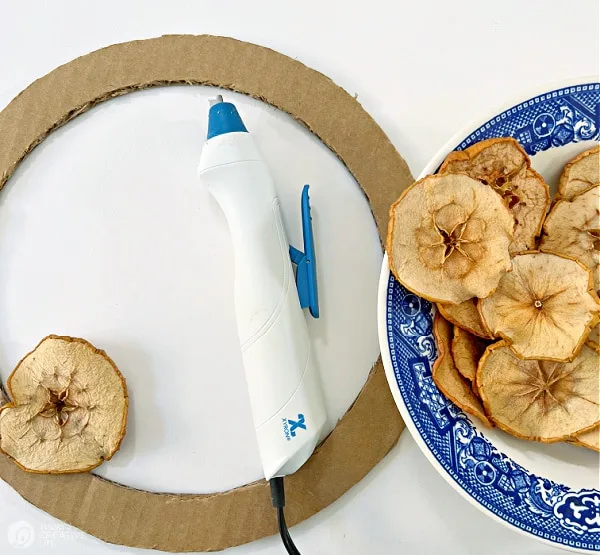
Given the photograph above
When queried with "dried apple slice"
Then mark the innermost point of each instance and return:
(474, 389)
(448, 238)
(594, 337)
(467, 350)
(466, 316)
(3, 396)
(545, 307)
(580, 174)
(590, 439)
(502, 164)
(447, 378)
(68, 411)
(573, 228)
(540, 400)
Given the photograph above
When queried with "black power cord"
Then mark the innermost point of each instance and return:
(278, 498)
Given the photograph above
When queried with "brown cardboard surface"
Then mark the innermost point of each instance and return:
(369, 429)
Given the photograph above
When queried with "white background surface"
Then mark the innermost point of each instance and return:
(95, 207)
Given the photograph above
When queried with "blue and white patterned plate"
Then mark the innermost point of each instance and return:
(551, 492)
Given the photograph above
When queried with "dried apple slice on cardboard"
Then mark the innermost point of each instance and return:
(502, 164)
(447, 378)
(467, 350)
(545, 307)
(540, 400)
(580, 174)
(466, 316)
(448, 238)
(68, 409)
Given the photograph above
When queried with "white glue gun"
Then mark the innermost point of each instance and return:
(284, 387)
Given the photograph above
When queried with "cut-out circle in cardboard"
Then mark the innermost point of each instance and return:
(184, 523)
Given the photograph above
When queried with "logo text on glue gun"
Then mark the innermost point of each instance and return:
(290, 426)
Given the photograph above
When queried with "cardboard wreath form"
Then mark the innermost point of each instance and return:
(183, 523)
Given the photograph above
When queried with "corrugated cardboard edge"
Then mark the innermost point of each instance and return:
(371, 427)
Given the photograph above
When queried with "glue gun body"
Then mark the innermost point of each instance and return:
(284, 387)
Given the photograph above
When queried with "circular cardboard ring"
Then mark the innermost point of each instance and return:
(121, 515)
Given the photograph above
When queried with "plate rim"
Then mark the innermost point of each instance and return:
(431, 166)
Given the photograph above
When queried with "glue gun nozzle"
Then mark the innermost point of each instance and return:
(223, 117)
(217, 100)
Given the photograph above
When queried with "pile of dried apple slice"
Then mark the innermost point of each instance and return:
(516, 287)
